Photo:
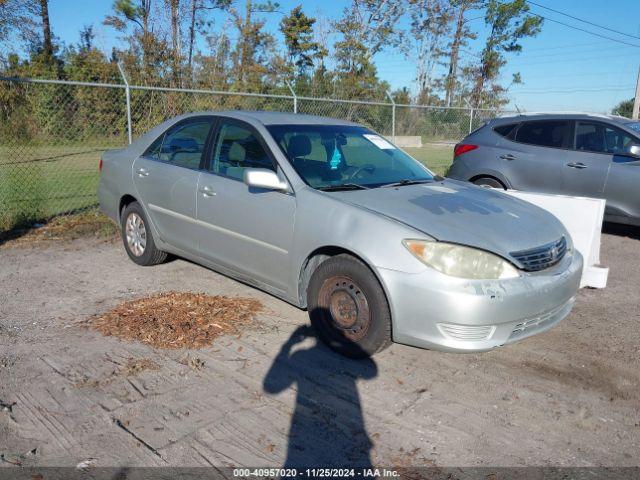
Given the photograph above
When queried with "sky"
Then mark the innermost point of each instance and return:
(562, 69)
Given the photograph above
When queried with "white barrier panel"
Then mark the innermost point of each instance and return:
(582, 217)
(404, 141)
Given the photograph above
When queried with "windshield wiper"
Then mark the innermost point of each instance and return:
(406, 182)
(343, 186)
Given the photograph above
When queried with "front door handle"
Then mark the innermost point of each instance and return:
(508, 156)
(207, 192)
(578, 165)
(142, 172)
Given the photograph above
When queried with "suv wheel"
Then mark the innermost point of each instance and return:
(489, 182)
(348, 307)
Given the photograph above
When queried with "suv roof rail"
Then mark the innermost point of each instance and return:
(559, 113)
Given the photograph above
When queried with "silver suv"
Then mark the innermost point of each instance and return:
(572, 154)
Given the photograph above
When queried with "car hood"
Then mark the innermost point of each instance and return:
(462, 213)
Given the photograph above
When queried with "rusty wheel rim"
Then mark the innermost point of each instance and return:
(345, 307)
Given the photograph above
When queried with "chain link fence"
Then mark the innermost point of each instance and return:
(52, 133)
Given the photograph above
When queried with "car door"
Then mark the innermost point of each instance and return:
(585, 171)
(246, 229)
(533, 161)
(166, 178)
(622, 187)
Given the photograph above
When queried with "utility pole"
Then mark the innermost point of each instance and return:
(636, 102)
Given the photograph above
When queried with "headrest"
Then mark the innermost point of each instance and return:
(299, 146)
(237, 152)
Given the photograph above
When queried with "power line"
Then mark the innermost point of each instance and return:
(575, 90)
(523, 62)
(583, 21)
(579, 29)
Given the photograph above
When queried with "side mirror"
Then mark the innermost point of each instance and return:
(264, 178)
(633, 150)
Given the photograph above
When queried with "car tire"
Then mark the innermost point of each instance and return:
(489, 182)
(137, 237)
(348, 307)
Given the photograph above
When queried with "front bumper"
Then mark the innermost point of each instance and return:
(436, 311)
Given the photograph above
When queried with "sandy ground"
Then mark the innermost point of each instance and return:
(569, 397)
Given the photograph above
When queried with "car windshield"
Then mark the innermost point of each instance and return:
(342, 157)
(634, 125)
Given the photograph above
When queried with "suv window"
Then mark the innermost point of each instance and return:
(600, 138)
(545, 133)
(182, 144)
(507, 131)
(237, 149)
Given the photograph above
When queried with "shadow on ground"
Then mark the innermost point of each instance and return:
(621, 230)
(327, 427)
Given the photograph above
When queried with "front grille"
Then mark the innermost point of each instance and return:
(542, 257)
(466, 332)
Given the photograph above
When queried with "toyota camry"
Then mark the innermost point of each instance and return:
(334, 218)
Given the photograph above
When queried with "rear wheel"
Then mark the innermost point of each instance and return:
(137, 237)
(348, 307)
(489, 182)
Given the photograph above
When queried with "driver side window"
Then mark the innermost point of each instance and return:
(237, 149)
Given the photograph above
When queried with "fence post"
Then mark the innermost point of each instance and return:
(471, 120)
(393, 117)
(295, 97)
(127, 92)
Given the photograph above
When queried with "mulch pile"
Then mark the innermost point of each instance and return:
(178, 320)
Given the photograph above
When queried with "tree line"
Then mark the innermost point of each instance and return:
(224, 44)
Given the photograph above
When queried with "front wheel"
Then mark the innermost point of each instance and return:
(137, 237)
(348, 307)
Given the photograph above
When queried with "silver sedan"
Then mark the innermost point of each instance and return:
(332, 217)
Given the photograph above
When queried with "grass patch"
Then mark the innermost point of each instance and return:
(436, 156)
(40, 182)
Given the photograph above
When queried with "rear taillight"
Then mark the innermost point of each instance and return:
(462, 148)
(100, 166)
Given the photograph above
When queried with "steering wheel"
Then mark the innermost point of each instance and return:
(366, 167)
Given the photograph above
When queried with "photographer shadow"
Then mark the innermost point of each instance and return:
(327, 426)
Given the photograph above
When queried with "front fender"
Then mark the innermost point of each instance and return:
(323, 221)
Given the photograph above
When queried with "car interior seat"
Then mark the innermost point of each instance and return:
(233, 165)
(313, 170)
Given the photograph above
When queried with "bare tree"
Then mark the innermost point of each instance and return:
(462, 34)
(197, 8)
(430, 26)
(16, 16)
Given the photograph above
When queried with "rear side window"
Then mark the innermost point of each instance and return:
(154, 149)
(545, 133)
(182, 144)
(507, 131)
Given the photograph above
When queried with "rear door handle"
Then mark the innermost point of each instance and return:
(142, 172)
(578, 165)
(508, 156)
(207, 192)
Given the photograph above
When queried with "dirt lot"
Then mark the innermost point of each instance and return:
(69, 394)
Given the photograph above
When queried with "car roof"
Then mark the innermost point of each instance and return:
(559, 116)
(276, 118)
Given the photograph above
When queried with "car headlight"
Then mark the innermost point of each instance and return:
(460, 261)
